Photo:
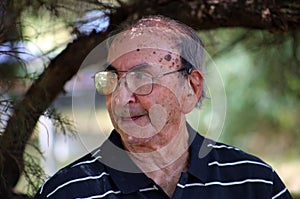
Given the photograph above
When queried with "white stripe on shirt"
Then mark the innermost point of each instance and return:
(102, 195)
(117, 192)
(225, 183)
(280, 193)
(77, 180)
(87, 162)
(42, 187)
(237, 163)
(149, 189)
(222, 146)
(96, 152)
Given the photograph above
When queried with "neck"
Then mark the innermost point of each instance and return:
(168, 177)
(165, 165)
(152, 157)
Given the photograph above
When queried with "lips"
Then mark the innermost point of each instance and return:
(129, 112)
(135, 117)
(132, 118)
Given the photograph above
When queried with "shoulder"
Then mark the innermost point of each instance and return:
(75, 178)
(219, 154)
(230, 166)
(90, 175)
(224, 160)
(224, 153)
(237, 161)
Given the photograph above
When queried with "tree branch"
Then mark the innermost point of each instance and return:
(272, 15)
(37, 99)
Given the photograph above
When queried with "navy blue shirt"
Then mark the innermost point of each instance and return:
(223, 172)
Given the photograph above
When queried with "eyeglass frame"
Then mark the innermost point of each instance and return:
(187, 68)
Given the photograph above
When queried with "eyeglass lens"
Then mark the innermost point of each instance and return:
(139, 83)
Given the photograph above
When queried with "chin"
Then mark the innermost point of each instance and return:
(131, 140)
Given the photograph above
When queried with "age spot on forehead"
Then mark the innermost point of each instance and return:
(171, 66)
(168, 57)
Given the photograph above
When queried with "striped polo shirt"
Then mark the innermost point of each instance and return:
(224, 172)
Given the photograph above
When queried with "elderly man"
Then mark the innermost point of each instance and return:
(153, 78)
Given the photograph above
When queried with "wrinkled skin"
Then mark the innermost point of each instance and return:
(148, 122)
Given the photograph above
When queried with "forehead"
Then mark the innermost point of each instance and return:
(134, 39)
(159, 59)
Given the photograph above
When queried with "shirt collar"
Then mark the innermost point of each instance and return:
(129, 178)
(125, 174)
(200, 155)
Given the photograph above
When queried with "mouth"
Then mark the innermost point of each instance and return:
(132, 118)
(134, 121)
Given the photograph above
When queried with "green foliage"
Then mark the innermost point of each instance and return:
(60, 121)
(33, 173)
(261, 71)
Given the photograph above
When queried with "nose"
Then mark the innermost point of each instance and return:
(122, 95)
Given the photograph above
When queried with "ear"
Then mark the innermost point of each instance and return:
(193, 90)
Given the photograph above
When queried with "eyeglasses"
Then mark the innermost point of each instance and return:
(138, 82)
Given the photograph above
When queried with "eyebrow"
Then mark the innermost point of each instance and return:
(139, 66)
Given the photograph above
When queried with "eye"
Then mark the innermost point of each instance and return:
(141, 75)
(139, 82)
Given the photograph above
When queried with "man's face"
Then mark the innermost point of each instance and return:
(153, 118)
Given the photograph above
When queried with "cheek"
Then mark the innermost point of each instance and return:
(165, 98)
(170, 91)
